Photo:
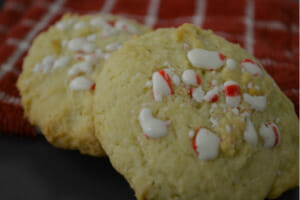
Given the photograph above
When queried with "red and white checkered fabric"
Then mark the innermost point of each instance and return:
(269, 29)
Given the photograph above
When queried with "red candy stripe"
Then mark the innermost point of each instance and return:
(214, 98)
(221, 56)
(232, 90)
(198, 80)
(93, 86)
(167, 78)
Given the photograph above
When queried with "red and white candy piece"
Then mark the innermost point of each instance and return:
(232, 93)
(270, 134)
(251, 67)
(190, 77)
(206, 144)
(250, 135)
(204, 59)
(212, 95)
(152, 127)
(162, 85)
(81, 83)
(258, 103)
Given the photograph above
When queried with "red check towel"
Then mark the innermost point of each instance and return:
(269, 29)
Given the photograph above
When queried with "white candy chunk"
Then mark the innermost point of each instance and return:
(106, 56)
(66, 24)
(212, 95)
(213, 121)
(76, 44)
(98, 22)
(198, 94)
(270, 134)
(230, 63)
(256, 102)
(191, 133)
(161, 87)
(81, 83)
(61, 62)
(49, 60)
(91, 38)
(206, 144)
(190, 77)
(88, 47)
(37, 67)
(204, 59)
(91, 58)
(80, 25)
(250, 134)
(82, 67)
(152, 127)
(47, 63)
(251, 67)
(175, 79)
(122, 25)
(64, 42)
(113, 46)
(109, 31)
(232, 94)
(148, 84)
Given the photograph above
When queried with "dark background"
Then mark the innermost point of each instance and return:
(30, 169)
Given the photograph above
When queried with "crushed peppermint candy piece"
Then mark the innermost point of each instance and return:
(148, 84)
(46, 65)
(91, 38)
(258, 103)
(230, 63)
(152, 127)
(186, 46)
(212, 95)
(197, 94)
(61, 62)
(251, 67)
(123, 25)
(213, 121)
(191, 133)
(250, 135)
(81, 83)
(201, 58)
(270, 134)
(206, 144)
(190, 77)
(162, 85)
(98, 22)
(113, 46)
(175, 79)
(232, 93)
(66, 24)
(80, 25)
(228, 128)
(81, 44)
(82, 67)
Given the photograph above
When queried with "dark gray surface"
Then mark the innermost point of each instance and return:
(32, 169)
